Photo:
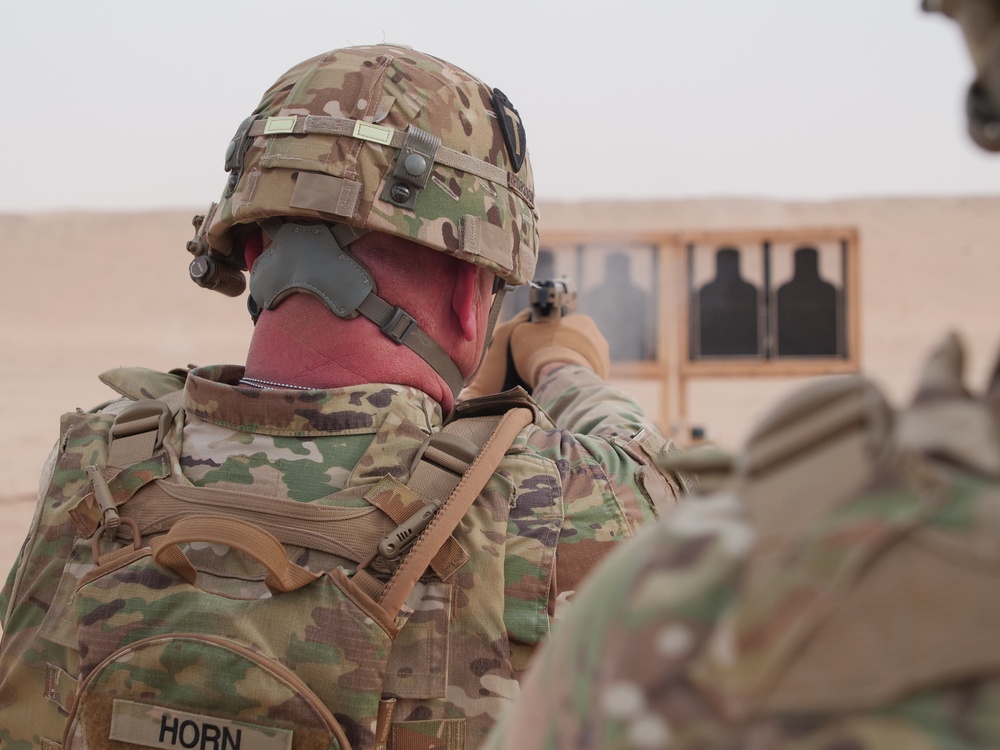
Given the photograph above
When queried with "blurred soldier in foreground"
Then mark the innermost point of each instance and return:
(382, 200)
(843, 592)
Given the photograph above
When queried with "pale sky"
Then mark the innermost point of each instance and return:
(130, 104)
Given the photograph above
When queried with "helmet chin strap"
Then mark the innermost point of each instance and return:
(313, 259)
(500, 289)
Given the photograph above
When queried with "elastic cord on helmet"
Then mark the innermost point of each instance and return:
(364, 131)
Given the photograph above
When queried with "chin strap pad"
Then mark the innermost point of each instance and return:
(306, 257)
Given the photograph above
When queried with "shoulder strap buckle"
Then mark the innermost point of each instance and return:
(447, 450)
(444, 450)
(138, 432)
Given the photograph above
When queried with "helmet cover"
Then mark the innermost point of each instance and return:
(387, 139)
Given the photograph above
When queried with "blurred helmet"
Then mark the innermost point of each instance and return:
(387, 139)
(980, 24)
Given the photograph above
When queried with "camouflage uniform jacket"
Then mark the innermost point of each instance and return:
(561, 499)
(841, 594)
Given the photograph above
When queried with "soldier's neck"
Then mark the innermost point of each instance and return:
(291, 348)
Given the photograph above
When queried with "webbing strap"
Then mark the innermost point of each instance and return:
(476, 429)
(131, 448)
(442, 461)
(440, 734)
(454, 508)
(490, 325)
(319, 125)
(368, 583)
(345, 234)
(402, 502)
(399, 326)
(60, 687)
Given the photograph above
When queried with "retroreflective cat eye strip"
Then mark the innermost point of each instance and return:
(366, 131)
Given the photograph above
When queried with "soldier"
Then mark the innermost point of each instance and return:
(843, 591)
(979, 24)
(382, 200)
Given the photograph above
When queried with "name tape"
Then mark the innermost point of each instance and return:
(159, 727)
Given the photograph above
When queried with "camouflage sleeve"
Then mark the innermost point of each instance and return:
(616, 671)
(9, 592)
(609, 487)
(614, 429)
(578, 400)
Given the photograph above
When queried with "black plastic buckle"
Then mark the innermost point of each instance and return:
(399, 320)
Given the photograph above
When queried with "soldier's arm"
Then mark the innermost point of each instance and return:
(579, 401)
(608, 481)
(613, 427)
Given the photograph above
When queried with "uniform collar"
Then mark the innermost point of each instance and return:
(211, 394)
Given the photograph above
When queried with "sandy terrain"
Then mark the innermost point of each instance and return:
(88, 292)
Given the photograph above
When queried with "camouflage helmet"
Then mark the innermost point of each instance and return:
(387, 139)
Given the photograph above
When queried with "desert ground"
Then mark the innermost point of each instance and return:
(86, 292)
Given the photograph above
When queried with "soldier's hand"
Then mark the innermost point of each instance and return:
(493, 372)
(574, 339)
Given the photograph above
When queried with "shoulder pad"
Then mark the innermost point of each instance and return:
(501, 403)
(140, 382)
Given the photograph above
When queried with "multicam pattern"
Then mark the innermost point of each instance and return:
(877, 630)
(558, 503)
(392, 87)
(338, 649)
(33, 636)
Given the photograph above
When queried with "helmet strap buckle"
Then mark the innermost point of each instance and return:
(398, 326)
